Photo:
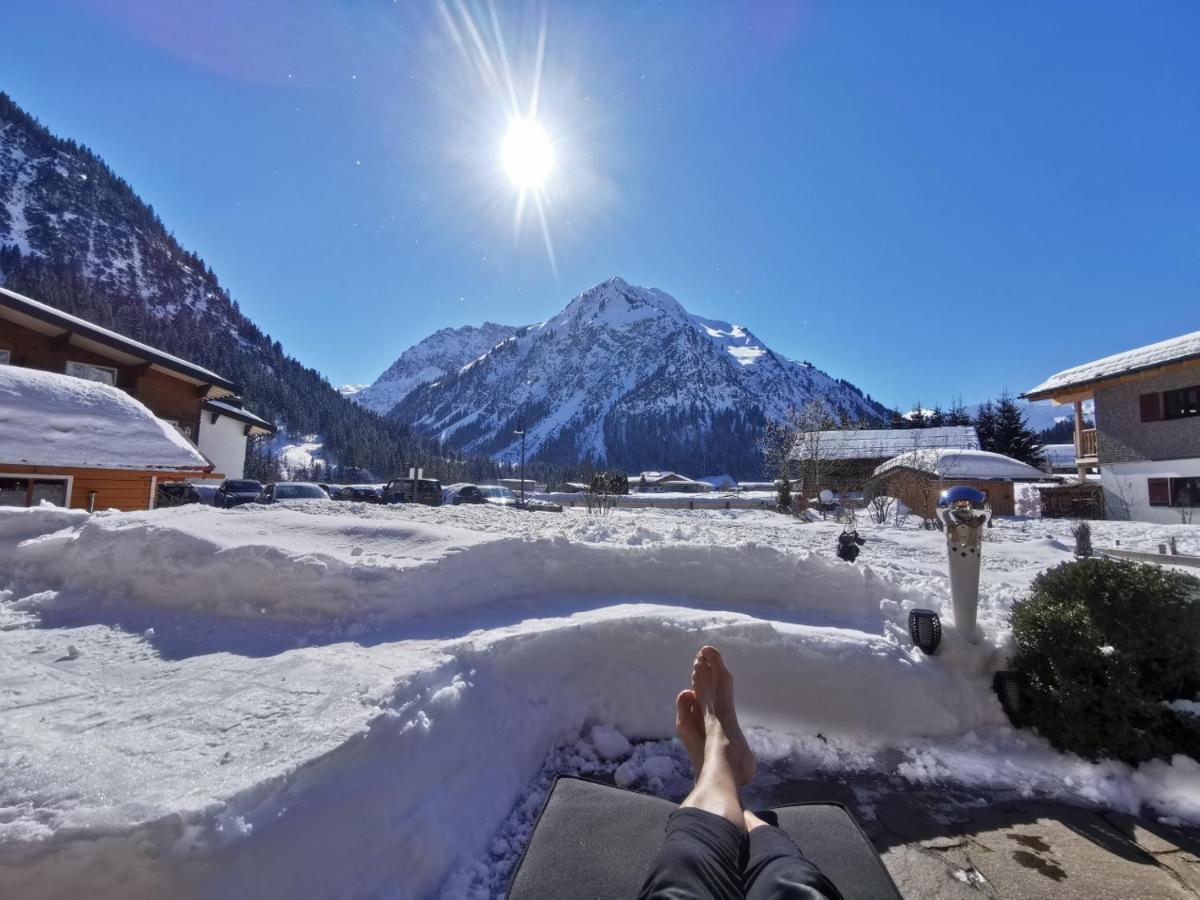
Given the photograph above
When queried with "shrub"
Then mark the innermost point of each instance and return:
(1102, 644)
(1082, 533)
(783, 495)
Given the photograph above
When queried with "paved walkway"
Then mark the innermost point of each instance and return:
(947, 843)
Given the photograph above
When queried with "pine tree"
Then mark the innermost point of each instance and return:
(985, 425)
(1011, 434)
(917, 418)
(784, 497)
(957, 414)
(937, 418)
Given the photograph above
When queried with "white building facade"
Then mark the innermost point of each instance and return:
(1146, 438)
(225, 429)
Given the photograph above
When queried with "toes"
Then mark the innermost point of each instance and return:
(712, 657)
(687, 707)
(683, 707)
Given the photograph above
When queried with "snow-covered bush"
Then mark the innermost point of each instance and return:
(1102, 644)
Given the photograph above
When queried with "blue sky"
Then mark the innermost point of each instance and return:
(932, 199)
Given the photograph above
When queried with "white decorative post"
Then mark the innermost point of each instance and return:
(964, 513)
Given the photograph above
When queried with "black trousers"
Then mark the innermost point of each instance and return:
(706, 856)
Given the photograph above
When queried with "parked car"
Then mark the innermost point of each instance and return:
(413, 490)
(457, 494)
(176, 493)
(361, 493)
(497, 495)
(236, 491)
(291, 491)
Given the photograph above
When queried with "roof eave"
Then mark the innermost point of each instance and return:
(50, 316)
(257, 425)
(1084, 390)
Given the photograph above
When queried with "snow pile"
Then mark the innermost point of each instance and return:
(980, 465)
(370, 566)
(348, 699)
(49, 419)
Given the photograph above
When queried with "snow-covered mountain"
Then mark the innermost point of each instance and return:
(624, 375)
(435, 357)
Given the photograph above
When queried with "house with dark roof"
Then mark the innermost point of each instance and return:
(201, 405)
(1146, 438)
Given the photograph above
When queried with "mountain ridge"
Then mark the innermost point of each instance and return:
(624, 376)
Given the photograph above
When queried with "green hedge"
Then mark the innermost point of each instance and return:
(1099, 702)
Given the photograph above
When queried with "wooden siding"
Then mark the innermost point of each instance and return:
(167, 396)
(920, 492)
(115, 488)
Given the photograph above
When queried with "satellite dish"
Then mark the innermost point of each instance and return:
(827, 496)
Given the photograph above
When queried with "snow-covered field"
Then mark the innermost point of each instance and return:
(346, 700)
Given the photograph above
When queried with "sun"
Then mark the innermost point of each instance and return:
(527, 154)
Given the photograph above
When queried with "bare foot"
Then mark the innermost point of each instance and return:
(713, 687)
(689, 725)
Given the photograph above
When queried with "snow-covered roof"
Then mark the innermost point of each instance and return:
(657, 477)
(48, 419)
(881, 443)
(29, 311)
(1177, 349)
(719, 480)
(242, 415)
(1059, 456)
(978, 465)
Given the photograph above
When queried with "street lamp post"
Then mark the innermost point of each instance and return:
(521, 431)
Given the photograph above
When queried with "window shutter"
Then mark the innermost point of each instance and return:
(1150, 407)
(1160, 491)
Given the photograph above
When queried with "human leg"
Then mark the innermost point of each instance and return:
(775, 869)
(702, 853)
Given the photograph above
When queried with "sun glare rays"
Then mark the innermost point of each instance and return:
(526, 149)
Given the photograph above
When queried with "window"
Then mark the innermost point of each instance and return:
(92, 373)
(1160, 491)
(30, 491)
(1185, 492)
(1174, 491)
(5, 357)
(1181, 403)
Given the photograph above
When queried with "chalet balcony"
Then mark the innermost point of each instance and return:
(1086, 447)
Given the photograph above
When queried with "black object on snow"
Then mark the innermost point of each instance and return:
(1010, 689)
(848, 544)
(925, 628)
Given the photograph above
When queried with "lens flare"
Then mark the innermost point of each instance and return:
(527, 154)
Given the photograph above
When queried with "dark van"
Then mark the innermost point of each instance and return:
(413, 490)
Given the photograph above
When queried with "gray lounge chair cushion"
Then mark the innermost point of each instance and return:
(596, 841)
